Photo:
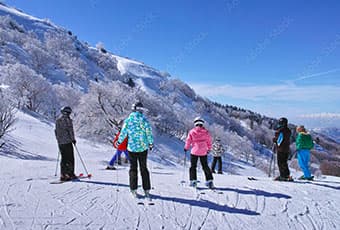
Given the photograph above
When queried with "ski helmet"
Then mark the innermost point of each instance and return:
(198, 121)
(66, 110)
(283, 122)
(138, 106)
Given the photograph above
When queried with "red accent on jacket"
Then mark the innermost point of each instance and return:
(122, 146)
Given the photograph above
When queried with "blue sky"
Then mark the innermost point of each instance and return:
(279, 58)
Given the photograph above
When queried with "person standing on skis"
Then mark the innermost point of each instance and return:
(282, 143)
(217, 151)
(122, 148)
(65, 137)
(199, 140)
(137, 130)
(304, 143)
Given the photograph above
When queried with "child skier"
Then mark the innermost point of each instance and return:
(304, 144)
(122, 148)
(217, 151)
(200, 141)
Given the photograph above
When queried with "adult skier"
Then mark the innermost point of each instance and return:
(199, 140)
(65, 137)
(137, 130)
(217, 151)
(304, 144)
(122, 148)
(282, 143)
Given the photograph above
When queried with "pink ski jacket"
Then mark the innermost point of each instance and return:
(200, 141)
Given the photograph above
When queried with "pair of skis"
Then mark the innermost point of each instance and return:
(80, 176)
(143, 200)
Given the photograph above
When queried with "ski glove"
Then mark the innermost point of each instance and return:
(74, 142)
(150, 147)
(185, 151)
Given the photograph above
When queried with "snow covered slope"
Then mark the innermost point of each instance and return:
(29, 201)
(39, 26)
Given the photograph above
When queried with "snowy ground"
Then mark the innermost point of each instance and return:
(29, 201)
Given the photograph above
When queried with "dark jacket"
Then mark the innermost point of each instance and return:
(284, 145)
(64, 130)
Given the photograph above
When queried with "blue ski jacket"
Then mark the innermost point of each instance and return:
(138, 131)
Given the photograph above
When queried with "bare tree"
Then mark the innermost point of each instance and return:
(7, 116)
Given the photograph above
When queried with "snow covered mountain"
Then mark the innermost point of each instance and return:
(333, 133)
(45, 67)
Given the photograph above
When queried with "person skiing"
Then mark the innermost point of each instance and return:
(217, 151)
(138, 132)
(304, 144)
(282, 142)
(199, 140)
(65, 137)
(122, 148)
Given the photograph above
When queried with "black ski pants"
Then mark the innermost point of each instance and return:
(141, 158)
(67, 159)
(193, 167)
(282, 162)
(219, 161)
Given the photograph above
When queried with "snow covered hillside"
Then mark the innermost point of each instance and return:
(29, 201)
(44, 67)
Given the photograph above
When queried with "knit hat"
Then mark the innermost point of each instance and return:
(301, 129)
(198, 121)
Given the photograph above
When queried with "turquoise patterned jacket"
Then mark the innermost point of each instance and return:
(138, 131)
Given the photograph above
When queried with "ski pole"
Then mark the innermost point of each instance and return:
(272, 162)
(81, 159)
(185, 159)
(117, 179)
(184, 167)
(270, 165)
(151, 170)
(292, 158)
(56, 167)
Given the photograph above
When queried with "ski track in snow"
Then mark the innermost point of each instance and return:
(77, 205)
(29, 201)
(86, 204)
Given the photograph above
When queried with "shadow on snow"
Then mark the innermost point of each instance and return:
(198, 203)
(207, 204)
(11, 150)
(256, 192)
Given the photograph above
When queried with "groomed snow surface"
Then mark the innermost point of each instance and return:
(29, 201)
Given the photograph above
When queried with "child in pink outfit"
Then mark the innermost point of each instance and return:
(199, 140)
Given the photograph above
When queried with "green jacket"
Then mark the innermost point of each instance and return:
(304, 141)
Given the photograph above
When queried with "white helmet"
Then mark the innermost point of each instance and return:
(198, 121)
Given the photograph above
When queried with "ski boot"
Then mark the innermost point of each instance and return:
(134, 192)
(193, 183)
(111, 167)
(209, 184)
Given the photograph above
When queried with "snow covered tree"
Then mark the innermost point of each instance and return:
(103, 108)
(7, 116)
(29, 87)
